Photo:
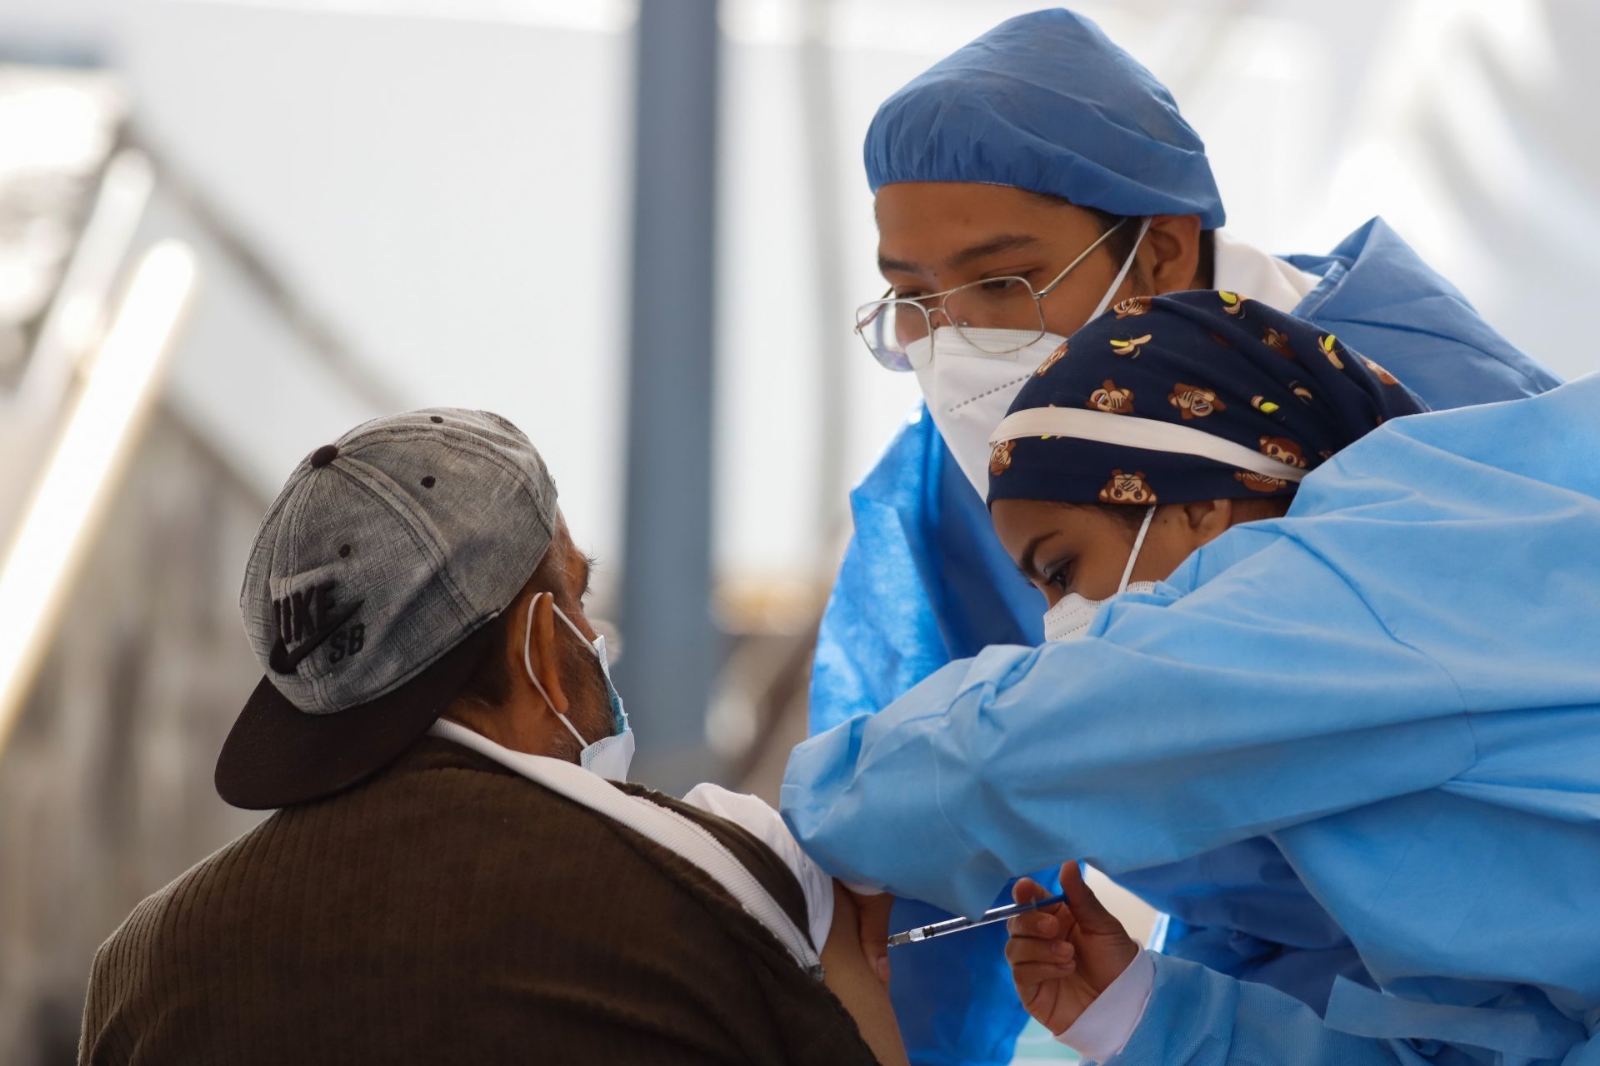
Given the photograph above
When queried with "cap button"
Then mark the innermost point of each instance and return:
(324, 455)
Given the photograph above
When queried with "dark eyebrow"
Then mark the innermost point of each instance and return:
(1028, 566)
(1006, 242)
(590, 563)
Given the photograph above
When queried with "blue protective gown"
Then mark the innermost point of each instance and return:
(925, 581)
(1395, 688)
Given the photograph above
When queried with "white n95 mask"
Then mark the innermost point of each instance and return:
(1069, 619)
(611, 756)
(969, 390)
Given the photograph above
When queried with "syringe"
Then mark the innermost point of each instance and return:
(956, 925)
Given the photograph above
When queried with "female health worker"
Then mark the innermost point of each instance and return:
(1382, 699)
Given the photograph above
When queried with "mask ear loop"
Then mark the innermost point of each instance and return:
(527, 664)
(1138, 542)
(1122, 275)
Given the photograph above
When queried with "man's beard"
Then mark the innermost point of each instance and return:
(588, 707)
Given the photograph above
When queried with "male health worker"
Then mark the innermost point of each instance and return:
(1023, 184)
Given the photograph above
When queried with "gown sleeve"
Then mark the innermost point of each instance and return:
(924, 581)
(1269, 695)
(1198, 1017)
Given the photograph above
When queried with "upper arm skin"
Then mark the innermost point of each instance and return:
(849, 975)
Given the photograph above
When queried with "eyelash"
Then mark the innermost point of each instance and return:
(1025, 275)
(1058, 576)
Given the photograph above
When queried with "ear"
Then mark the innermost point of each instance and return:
(1169, 255)
(1208, 520)
(543, 653)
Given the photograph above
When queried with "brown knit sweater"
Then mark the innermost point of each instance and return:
(451, 911)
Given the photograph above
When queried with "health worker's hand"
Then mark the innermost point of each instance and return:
(1064, 955)
(855, 967)
(873, 928)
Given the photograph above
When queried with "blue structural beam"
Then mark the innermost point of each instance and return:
(672, 643)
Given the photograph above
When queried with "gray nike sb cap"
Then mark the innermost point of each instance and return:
(367, 591)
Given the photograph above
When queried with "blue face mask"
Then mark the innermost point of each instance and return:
(611, 755)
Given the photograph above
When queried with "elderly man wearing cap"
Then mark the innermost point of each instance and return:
(1024, 184)
(449, 876)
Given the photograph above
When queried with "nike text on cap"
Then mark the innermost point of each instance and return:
(367, 591)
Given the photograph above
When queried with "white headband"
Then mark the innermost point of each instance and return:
(1132, 432)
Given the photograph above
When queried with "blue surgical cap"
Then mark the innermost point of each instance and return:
(1045, 102)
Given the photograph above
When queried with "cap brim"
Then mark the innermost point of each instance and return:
(277, 755)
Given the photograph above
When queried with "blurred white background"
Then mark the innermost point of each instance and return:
(445, 184)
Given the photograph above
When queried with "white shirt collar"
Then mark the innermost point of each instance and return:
(1248, 271)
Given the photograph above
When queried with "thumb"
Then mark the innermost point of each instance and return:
(1090, 913)
(874, 931)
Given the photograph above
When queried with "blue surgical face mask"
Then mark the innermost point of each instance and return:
(611, 755)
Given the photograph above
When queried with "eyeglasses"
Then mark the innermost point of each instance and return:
(889, 326)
